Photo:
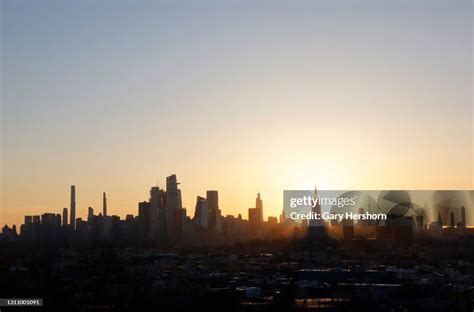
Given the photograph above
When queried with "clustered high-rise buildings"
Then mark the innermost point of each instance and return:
(161, 219)
(207, 213)
(452, 217)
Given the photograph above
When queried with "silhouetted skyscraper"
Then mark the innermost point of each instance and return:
(254, 216)
(104, 205)
(463, 217)
(48, 219)
(173, 209)
(65, 217)
(259, 207)
(73, 207)
(317, 227)
(90, 215)
(154, 210)
(214, 211)
(58, 220)
(144, 218)
(282, 217)
(201, 214)
(452, 219)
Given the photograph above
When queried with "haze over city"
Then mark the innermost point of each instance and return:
(235, 97)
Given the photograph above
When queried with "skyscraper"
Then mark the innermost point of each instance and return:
(173, 194)
(254, 216)
(440, 220)
(173, 209)
(154, 210)
(48, 219)
(282, 217)
(214, 211)
(201, 215)
(104, 205)
(58, 220)
(73, 207)
(317, 227)
(65, 217)
(259, 207)
(90, 215)
(144, 218)
(463, 217)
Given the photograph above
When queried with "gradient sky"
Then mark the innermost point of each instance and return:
(238, 96)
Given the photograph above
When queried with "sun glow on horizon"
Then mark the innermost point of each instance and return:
(236, 97)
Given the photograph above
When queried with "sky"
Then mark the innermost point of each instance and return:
(235, 96)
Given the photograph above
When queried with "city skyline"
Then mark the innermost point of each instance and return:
(239, 97)
(425, 203)
(226, 155)
(70, 214)
(395, 216)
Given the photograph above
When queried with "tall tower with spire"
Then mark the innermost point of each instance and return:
(259, 207)
(317, 227)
